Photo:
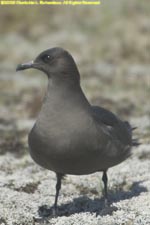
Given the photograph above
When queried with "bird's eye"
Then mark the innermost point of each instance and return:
(46, 58)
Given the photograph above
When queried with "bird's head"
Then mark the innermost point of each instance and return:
(56, 62)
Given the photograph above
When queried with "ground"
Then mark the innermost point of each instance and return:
(110, 44)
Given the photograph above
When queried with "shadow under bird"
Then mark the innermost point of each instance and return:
(70, 135)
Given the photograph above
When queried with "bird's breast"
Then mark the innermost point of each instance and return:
(67, 152)
(63, 138)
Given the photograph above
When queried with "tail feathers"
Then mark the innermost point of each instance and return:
(133, 128)
(135, 142)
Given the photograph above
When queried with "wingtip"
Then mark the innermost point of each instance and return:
(134, 128)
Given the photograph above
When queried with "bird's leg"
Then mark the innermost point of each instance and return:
(58, 187)
(44, 211)
(105, 181)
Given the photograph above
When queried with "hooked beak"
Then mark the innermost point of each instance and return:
(25, 66)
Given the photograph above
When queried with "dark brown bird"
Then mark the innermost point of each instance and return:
(70, 135)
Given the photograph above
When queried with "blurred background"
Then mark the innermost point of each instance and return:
(111, 46)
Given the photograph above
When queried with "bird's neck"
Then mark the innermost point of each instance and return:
(65, 79)
(63, 107)
(65, 97)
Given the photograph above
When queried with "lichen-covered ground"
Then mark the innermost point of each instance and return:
(111, 45)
